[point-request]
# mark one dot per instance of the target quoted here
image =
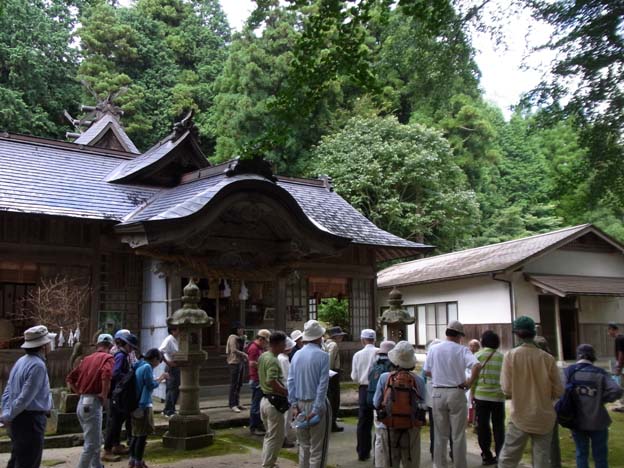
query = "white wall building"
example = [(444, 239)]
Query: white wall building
[(571, 281)]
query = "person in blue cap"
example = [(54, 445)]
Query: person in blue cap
[(125, 344)]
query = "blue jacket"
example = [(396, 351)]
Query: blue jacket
[(145, 383), (593, 388)]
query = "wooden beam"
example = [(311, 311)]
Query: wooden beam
[(558, 330)]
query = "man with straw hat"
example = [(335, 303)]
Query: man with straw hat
[(401, 446), (308, 379), (26, 400)]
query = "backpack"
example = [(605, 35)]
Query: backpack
[(124, 398), (566, 405), (400, 405), (380, 367)]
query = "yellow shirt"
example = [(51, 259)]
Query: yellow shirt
[(334, 354), (531, 378)]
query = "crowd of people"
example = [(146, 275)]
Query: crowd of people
[(295, 383)]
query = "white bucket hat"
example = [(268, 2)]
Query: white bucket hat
[(36, 337), (403, 355), (312, 330), (290, 344), (296, 335)]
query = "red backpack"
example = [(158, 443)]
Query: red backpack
[(400, 405)]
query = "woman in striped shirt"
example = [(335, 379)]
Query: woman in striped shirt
[(489, 400)]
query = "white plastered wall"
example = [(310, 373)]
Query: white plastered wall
[(570, 262), (479, 300)]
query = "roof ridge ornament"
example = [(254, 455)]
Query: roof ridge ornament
[(185, 124), (256, 165)]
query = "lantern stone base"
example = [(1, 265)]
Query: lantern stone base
[(188, 432)]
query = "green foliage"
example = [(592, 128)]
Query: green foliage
[(586, 82), (250, 118), (37, 65), (334, 312), (402, 177), (168, 54)]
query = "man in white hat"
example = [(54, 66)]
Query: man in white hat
[(91, 380), (401, 446), (360, 367), (26, 400), (296, 336), (446, 364), (308, 379)]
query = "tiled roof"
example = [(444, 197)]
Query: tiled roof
[(155, 156), (42, 177), (63, 179), (100, 126), (579, 285), (473, 262), (324, 208)]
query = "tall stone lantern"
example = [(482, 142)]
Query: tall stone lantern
[(190, 428), (396, 318)]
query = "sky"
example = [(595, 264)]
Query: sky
[(503, 78)]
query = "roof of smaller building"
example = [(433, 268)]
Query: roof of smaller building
[(98, 129), (494, 258), (578, 285)]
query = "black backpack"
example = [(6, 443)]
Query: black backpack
[(124, 398), (380, 367)]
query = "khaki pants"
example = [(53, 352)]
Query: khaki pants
[(515, 441), (273, 422), (291, 434), (401, 448), (313, 440), (378, 444), (449, 413)]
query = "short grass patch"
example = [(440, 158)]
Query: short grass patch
[(568, 449), (51, 462), (223, 445)]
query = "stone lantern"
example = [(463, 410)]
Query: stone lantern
[(396, 318), (189, 429)]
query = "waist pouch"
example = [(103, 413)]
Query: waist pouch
[(279, 401)]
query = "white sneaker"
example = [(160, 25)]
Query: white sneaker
[(235, 409)]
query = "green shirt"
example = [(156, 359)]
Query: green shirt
[(487, 386), (268, 370)]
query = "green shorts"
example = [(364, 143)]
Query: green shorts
[(143, 422)]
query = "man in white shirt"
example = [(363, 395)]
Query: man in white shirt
[(362, 361), (169, 348), (446, 364)]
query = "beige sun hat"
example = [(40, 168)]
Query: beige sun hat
[(36, 337), (456, 326), (312, 330), (402, 355), (264, 333)]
